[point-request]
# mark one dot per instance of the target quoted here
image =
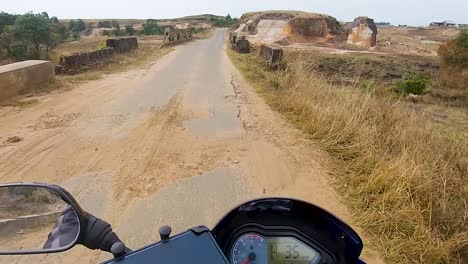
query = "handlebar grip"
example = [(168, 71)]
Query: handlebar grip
[(99, 235)]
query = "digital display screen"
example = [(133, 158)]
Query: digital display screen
[(289, 250)]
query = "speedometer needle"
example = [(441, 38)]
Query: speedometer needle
[(246, 261), (251, 257)]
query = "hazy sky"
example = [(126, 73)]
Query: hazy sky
[(412, 12)]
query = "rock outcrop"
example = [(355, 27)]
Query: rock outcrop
[(363, 32), (291, 26), (319, 26)]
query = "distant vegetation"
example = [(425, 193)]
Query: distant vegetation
[(151, 27), (454, 53), (104, 24), (382, 23), (33, 36), (454, 62), (129, 30), (30, 36), (227, 21)]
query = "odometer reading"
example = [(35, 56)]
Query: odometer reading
[(288, 250), (251, 248)]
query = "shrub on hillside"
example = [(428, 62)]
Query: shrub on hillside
[(129, 30), (151, 27), (454, 62), (106, 33), (104, 24), (414, 83), (196, 30), (76, 26), (455, 52)]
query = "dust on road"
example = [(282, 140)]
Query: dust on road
[(179, 143)]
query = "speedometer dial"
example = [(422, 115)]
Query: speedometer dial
[(250, 249)]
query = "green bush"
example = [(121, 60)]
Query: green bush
[(196, 30), (223, 21), (102, 45), (455, 52), (31, 36), (104, 24), (76, 36), (76, 25), (19, 50), (129, 30), (414, 83), (151, 27)]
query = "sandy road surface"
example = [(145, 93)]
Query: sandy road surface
[(178, 143)]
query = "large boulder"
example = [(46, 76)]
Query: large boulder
[(363, 32), (271, 55), (243, 46)]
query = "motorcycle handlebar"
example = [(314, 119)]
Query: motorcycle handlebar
[(99, 235)]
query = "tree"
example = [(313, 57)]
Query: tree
[(58, 33), (6, 20), (79, 26), (104, 24), (226, 21), (105, 33), (115, 24), (129, 30), (71, 25), (151, 27), (44, 14), (54, 20), (32, 30), (7, 38), (27, 36), (116, 28), (75, 36), (76, 25)]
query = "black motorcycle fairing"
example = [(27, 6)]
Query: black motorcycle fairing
[(312, 222)]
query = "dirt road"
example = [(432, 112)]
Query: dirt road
[(178, 143)]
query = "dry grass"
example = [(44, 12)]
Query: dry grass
[(407, 183), (82, 45)]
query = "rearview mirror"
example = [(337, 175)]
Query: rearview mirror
[(36, 218)]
